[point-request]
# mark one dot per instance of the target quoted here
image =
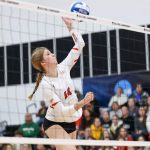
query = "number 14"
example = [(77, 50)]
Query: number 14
[(67, 93)]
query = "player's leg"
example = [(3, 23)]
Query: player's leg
[(73, 135), (57, 132)]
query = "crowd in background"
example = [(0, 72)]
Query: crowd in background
[(125, 118)]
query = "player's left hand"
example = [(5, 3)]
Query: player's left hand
[(68, 23)]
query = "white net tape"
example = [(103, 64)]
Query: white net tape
[(12, 140), (80, 17)]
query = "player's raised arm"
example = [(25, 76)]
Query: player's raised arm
[(75, 52)]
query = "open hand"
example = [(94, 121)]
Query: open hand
[(68, 23), (89, 97)]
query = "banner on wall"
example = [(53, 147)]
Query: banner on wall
[(105, 87)]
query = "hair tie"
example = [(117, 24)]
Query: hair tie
[(41, 72)]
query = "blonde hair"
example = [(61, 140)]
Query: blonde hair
[(37, 57)]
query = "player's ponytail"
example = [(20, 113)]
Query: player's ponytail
[(38, 80), (37, 57)]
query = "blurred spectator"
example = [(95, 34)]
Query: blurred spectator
[(29, 128), (87, 119), (131, 148), (52, 147), (140, 123), (42, 133), (106, 135), (21, 146), (96, 106), (26, 147), (115, 126), (96, 129), (18, 134), (90, 107), (86, 122), (120, 98), (87, 133), (148, 126), (8, 147), (79, 95), (41, 147), (123, 134), (148, 105), (87, 136), (120, 147), (105, 119), (133, 109), (139, 95), (141, 138), (128, 121), (41, 113), (1, 146), (115, 110)]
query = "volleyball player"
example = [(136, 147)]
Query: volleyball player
[(58, 89)]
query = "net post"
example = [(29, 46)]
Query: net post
[(29, 64), (118, 52), (21, 63), (147, 51), (108, 52), (90, 54), (81, 66), (5, 66)]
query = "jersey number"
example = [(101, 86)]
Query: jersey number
[(67, 93)]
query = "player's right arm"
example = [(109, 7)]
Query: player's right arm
[(58, 107)]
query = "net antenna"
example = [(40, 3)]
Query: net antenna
[(76, 16)]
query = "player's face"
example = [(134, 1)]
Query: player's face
[(49, 58)]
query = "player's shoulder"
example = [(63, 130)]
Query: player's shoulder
[(62, 68), (46, 82)]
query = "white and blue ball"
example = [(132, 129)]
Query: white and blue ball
[(80, 7)]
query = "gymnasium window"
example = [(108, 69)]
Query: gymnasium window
[(13, 64), (64, 45), (99, 52), (132, 51), (113, 50), (1, 66), (86, 56), (25, 64)]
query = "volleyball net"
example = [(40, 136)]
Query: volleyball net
[(99, 143), (112, 47), (80, 144)]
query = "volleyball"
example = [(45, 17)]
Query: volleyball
[(80, 7)]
